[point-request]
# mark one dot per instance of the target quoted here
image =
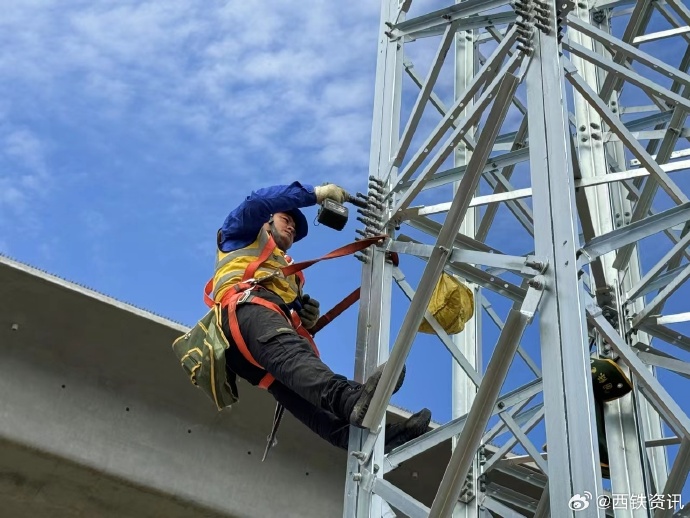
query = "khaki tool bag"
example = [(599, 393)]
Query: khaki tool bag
[(202, 355), (451, 304)]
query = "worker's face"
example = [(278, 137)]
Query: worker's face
[(284, 230)]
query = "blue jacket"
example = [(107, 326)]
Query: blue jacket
[(243, 224)]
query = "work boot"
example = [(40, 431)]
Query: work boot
[(398, 434), (356, 399)]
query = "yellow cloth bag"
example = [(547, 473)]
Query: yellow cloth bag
[(452, 304)]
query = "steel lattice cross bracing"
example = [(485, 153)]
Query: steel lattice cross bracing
[(538, 151)]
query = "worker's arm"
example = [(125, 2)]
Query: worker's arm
[(243, 224)]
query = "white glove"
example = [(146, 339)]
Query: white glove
[(309, 313), (332, 192)]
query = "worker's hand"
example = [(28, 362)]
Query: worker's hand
[(309, 312), (332, 192)]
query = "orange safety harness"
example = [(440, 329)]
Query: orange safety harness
[(241, 293)]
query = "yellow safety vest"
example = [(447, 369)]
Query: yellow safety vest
[(230, 267)]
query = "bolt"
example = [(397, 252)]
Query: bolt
[(525, 50), (584, 138), (596, 136), (501, 405), (15, 327), (543, 28), (536, 265), (370, 213), (356, 477), (524, 41), (536, 284), (583, 128), (359, 455), (368, 221)]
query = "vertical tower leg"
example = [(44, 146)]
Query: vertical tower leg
[(374, 313), (468, 342), (568, 398)]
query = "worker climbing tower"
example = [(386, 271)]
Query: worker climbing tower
[(528, 149)]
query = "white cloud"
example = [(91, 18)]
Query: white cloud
[(207, 67), (207, 100)]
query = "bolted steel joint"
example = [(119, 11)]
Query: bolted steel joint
[(525, 50)]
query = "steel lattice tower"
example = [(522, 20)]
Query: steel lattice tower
[(520, 124)]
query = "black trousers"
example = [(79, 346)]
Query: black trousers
[(304, 385)]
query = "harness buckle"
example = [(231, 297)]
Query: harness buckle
[(246, 294)]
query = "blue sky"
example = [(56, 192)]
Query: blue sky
[(129, 129)]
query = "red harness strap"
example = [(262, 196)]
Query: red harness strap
[(239, 294), (265, 253), (335, 311), (231, 301)]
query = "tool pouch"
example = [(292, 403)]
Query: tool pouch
[(201, 352), (451, 304)]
